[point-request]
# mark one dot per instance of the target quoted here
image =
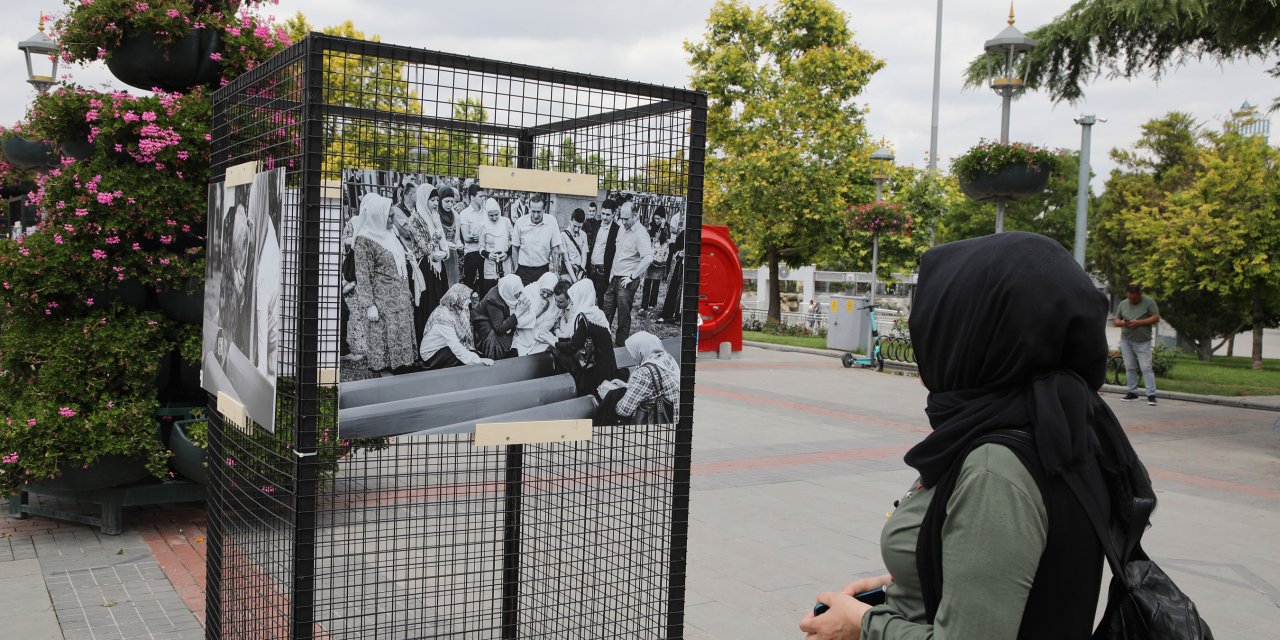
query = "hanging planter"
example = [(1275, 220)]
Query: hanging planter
[(29, 154), (142, 61), (879, 217), (81, 150), (992, 170), (13, 191)]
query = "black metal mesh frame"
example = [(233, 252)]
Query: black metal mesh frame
[(419, 537)]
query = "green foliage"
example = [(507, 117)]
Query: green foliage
[(74, 389), (989, 156), (58, 115), (786, 141), (1195, 217), (888, 218), (1123, 38)]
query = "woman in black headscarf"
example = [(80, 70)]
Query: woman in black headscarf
[(1009, 335)]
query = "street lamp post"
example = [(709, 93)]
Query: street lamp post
[(1082, 187), (881, 164), (45, 53), (1006, 80)]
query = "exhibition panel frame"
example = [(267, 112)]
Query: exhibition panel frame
[(418, 525)]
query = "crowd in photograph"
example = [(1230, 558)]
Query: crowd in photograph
[(440, 272)]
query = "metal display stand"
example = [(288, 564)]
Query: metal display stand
[(427, 535)]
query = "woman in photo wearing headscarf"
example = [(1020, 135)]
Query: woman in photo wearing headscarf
[(651, 389), (448, 340), (990, 541), (539, 317), (673, 301), (355, 325), (429, 253), (587, 352), (382, 287), (494, 320), (452, 238), (660, 236)]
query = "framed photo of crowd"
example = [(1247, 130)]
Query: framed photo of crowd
[(463, 304)]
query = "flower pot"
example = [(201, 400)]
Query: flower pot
[(188, 459), (184, 302), (81, 150), (29, 154), (107, 471), (1013, 182), (142, 62)]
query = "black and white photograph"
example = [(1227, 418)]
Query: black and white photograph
[(242, 294), (463, 304)]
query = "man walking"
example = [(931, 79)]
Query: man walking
[(1136, 315), (536, 245), (631, 261), (603, 249)]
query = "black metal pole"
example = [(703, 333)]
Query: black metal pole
[(306, 406), (688, 323)]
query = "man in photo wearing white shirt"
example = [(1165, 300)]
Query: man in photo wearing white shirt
[(536, 245), (630, 262), (472, 221)]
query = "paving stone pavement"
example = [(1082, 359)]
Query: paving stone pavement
[(796, 461)]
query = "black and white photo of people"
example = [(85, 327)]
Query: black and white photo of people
[(242, 294), (441, 274)]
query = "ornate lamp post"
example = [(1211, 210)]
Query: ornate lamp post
[(1011, 47), (881, 164), (45, 53)]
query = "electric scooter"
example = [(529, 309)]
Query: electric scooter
[(874, 359)]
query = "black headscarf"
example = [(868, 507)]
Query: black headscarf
[(1009, 332)]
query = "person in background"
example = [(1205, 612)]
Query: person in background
[(1136, 315), (813, 314), (382, 287), (584, 348), (574, 242), (448, 340), (660, 236), (452, 237), (655, 379), (536, 242), (429, 251), (471, 222), (634, 253), (591, 225), (496, 235), (603, 251), (494, 320), (674, 300)]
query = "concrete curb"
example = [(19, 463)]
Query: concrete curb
[(1225, 401)]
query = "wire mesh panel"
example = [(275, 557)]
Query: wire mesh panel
[(405, 531)]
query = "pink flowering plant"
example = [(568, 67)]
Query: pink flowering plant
[(990, 157), (58, 115), (75, 389), (879, 217)]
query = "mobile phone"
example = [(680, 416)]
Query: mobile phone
[(873, 598)]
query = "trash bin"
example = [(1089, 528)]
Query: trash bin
[(847, 324)]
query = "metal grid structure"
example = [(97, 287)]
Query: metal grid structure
[(428, 536)]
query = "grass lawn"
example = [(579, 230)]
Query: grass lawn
[(812, 342), (1222, 377)]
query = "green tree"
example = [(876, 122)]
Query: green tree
[(1201, 226), (457, 152), (1123, 38), (786, 142), (364, 82)]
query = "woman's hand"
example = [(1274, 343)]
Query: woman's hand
[(372, 313), (488, 362), (867, 584), (843, 621)]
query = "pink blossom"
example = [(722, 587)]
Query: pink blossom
[(88, 301), (141, 6), (99, 254), (149, 116), (67, 412), (31, 422), (12, 458), (110, 405), (57, 239), (173, 13), (183, 155), (215, 57), (82, 212)]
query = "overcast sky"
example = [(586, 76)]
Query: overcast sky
[(642, 41)]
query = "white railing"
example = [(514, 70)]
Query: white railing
[(884, 318)]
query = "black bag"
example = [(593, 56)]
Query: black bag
[(586, 354), (657, 410), (1143, 603)]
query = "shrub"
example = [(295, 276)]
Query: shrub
[(990, 157)]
